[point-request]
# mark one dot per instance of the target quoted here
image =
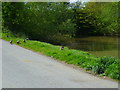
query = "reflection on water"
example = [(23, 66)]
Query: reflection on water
[(99, 46)]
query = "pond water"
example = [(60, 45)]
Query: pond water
[(97, 45)]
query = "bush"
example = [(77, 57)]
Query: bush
[(113, 71), (102, 64)]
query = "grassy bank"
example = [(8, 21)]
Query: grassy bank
[(106, 66)]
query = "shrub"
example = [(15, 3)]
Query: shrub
[(113, 71)]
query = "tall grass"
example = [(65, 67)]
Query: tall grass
[(107, 66)]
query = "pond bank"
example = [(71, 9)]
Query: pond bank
[(104, 66), (97, 45)]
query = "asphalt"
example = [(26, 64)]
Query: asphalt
[(22, 68), (0, 64)]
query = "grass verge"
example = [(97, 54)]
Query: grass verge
[(103, 66)]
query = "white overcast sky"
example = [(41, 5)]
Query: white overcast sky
[(78, 0)]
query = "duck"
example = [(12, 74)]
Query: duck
[(24, 41), (11, 41), (18, 41), (62, 48), (27, 39)]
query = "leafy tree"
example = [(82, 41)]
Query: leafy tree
[(106, 16), (12, 14), (0, 16), (40, 21)]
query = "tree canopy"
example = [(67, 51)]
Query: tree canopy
[(46, 21)]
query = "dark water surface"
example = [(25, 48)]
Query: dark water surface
[(97, 45)]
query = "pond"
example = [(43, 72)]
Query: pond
[(97, 45)]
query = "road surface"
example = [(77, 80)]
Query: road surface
[(0, 64), (22, 68)]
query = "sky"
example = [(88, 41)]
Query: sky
[(78, 0)]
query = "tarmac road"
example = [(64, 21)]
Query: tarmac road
[(22, 68), (0, 64)]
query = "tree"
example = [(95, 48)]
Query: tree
[(11, 14), (41, 21), (106, 16)]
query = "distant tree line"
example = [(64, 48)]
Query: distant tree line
[(53, 21)]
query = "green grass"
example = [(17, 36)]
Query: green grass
[(103, 66), (0, 35)]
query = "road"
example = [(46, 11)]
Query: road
[(0, 64), (22, 68)]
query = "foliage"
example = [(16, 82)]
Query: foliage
[(84, 22), (96, 18), (45, 20), (40, 21), (113, 71), (11, 14), (0, 17), (106, 16)]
